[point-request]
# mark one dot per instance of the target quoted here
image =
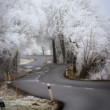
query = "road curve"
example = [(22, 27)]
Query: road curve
[(76, 95)]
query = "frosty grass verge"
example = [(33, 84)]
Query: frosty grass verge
[(22, 102)]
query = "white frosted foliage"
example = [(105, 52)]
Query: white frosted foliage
[(28, 26)]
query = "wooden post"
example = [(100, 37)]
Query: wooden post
[(66, 72), (5, 74), (45, 59), (9, 76), (15, 84), (50, 92), (65, 62)]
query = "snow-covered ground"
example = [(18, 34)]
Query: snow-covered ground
[(24, 102), (26, 61)]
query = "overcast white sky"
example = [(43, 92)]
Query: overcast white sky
[(104, 6)]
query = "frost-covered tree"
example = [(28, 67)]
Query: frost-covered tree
[(30, 26), (21, 25), (75, 19)]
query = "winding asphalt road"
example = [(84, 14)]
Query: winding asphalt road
[(76, 95)]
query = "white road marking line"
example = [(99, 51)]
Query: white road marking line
[(52, 84), (37, 80), (43, 83), (39, 76), (67, 86), (26, 81), (89, 88)]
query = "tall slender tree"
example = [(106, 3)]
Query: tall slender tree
[(54, 51)]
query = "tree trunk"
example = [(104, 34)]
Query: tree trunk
[(54, 51), (62, 47), (74, 63)]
